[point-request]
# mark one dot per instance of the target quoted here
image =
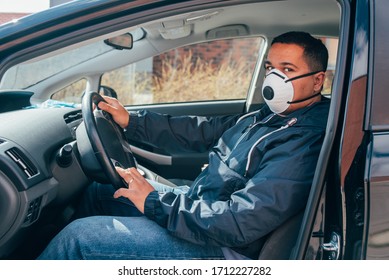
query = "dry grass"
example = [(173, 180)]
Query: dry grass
[(200, 81), (178, 81), (182, 80)]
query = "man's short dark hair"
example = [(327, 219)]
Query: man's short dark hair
[(315, 51)]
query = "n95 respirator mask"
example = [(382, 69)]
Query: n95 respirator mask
[(278, 91)]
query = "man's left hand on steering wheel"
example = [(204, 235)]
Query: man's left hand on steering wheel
[(116, 109), (104, 131)]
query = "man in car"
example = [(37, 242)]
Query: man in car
[(259, 175)]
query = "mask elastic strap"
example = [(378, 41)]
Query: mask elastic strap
[(302, 76), (277, 74), (304, 99)]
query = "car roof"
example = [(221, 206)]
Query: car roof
[(272, 16)]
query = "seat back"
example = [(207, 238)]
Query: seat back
[(281, 241)]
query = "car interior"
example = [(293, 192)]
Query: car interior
[(46, 155)]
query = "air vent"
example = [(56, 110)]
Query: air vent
[(23, 162), (74, 116)]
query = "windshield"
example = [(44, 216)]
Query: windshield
[(23, 76)]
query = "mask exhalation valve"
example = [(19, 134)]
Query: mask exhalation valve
[(268, 93)]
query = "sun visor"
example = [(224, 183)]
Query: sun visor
[(227, 31)]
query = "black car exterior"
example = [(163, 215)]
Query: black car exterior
[(352, 218)]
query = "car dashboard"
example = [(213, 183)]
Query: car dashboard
[(34, 176)]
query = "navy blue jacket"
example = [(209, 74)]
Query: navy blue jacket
[(260, 171)]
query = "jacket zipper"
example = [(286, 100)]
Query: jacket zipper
[(247, 129), (290, 123)]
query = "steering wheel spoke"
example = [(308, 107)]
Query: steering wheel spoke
[(107, 140)]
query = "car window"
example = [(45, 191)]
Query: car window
[(216, 70), (72, 93), (25, 75), (332, 46)]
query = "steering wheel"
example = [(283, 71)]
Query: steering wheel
[(101, 136)]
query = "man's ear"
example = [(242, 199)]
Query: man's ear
[(319, 81)]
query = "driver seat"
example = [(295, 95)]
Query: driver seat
[(281, 242)]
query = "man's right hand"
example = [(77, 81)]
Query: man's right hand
[(116, 109)]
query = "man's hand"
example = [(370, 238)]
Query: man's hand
[(138, 187), (116, 109)]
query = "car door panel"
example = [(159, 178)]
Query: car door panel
[(181, 165)]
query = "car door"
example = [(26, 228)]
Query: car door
[(334, 220), (376, 193), (348, 211)]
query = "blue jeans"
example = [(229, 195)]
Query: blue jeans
[(121, 233)]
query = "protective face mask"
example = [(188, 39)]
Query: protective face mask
[(278, 91)]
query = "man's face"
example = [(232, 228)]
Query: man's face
[(289, 59)]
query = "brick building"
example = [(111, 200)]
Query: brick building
[(9, 16), (214, 53), (6, 17)]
